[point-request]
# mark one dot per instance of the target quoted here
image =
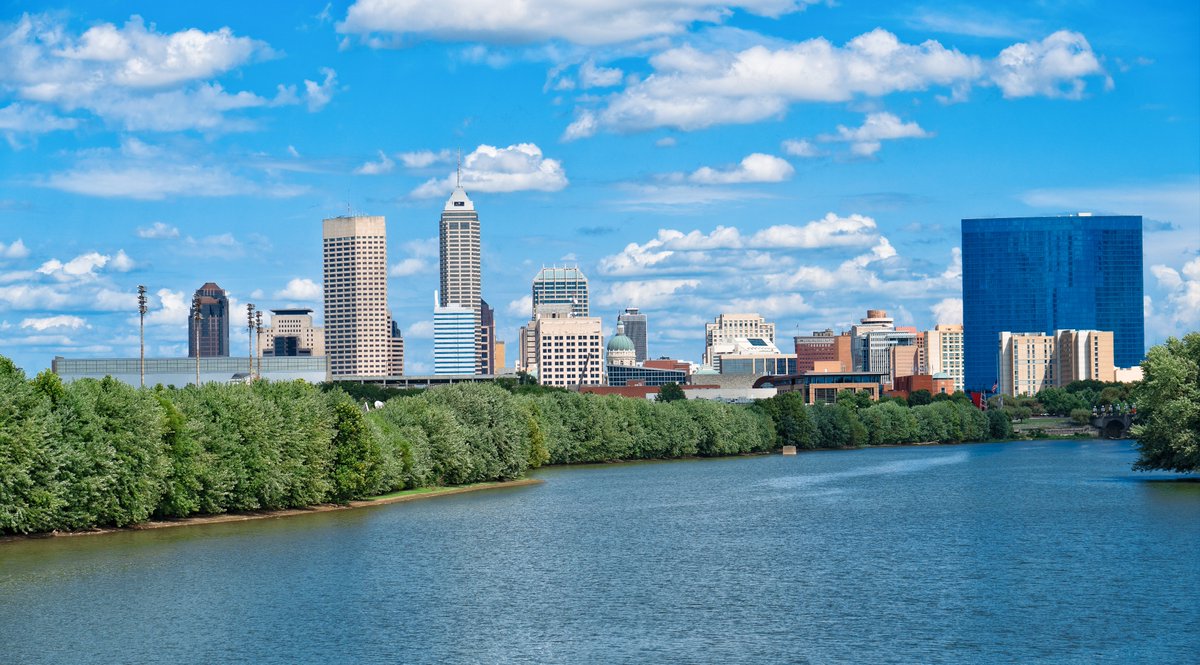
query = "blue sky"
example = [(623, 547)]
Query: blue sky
[(806, 160)]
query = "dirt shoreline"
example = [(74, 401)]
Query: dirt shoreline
[(272, 514)]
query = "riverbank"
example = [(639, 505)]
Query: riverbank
[(383, 500)]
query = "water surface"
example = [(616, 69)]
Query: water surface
[(1025, 552)]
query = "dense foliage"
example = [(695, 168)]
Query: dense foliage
[(1168, 401), (102, 453)]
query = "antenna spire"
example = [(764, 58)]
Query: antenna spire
[(458, 171)]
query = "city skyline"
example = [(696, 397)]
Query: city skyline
[(808, 204)]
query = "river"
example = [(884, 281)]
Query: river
[(1025, 552)]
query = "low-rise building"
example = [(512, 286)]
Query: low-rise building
[(182, 371)]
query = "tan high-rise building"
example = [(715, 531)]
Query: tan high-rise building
[(1085, 355), (291, 333), (1027, 363), (569, 351), (729, 327), (358, 337), (944, 352)]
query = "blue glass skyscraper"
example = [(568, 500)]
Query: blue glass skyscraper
[(1041, 274)]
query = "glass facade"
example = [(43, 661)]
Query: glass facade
[(182, 371), (1041, 274), (620, 375)]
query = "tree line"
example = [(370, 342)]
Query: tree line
[(100, 453)]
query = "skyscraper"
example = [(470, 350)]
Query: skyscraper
[(557, 286), (1041, 274), (944, 351), (635, 330), (357, 331), (459, 252), (291, 333), (486, 349), (454, 333), (214, 324), (727, 328)]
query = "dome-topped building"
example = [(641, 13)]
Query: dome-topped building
[(621, 351)]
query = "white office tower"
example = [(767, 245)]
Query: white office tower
[(454, 332), (459, 259), (357, 331)]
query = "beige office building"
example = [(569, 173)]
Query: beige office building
[(291, 333), (1030, 362), (459, 262), (358, 337), (1085, 355), (569, 351), (944, 352), (730, 327), (1027, 363)]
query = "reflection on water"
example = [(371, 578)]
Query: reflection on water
[(1041, 552)]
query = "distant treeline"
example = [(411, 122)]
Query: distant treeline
[(101, 453)]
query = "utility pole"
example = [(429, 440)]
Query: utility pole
[(142, 334), (250, 339), (196, 316), (258, 327)]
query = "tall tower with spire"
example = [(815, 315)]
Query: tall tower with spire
[(459, 254)]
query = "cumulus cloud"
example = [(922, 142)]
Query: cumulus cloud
[(302, 289), (1053, 67), (1182, 302), (60, 322), (519, 167), (692, 88), (171, 309), (948, 310), (83, 266), (877, 127), (158, 230), (17, 118), (755, 167), (384, 165), (645, 293), (14, 250), (590, 22), (521, 307), (420, 330)]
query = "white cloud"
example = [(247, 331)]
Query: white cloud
[(158, 230), (801, 148), (132, 75), (521, 307), (948, 310), (121, 262), (143, 171), (317, 95), (693, 88), (877, 127), (645, 293), (592, 76), (172, 309), (60, 322), (1053, 67), (302, 289), (83, 266), (420, 330), (384, 165), (15, 250), (591, 22), (831, 230), (518, 167), (424, 158), (408, 267), (755, 167), (1179, 311), (666, 142), (26, 119)]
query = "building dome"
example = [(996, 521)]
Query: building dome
[(620, 343)]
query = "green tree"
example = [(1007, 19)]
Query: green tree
[(30, 492), (356, 453), (1081, 416), (1168, 402), (919, 397), (999, 426), (670, 392)]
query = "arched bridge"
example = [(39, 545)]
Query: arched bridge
[(1113, 426)]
